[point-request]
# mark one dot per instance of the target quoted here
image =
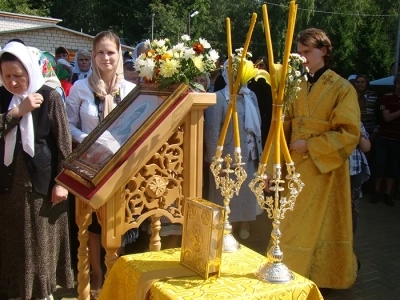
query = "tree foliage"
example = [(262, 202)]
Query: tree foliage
[(364, 41)]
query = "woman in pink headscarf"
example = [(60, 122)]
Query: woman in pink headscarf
[(89, 102)]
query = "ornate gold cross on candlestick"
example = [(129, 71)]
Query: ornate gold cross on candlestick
[(276, 205)]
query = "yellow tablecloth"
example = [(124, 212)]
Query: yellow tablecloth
[(237, 279)]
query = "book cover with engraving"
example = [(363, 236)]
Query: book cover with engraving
[(202, 237)]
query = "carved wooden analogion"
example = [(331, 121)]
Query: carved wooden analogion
[(152, 182)]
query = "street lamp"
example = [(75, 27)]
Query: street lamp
[(191, 15)]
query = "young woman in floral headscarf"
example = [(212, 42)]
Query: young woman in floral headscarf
[(34, 139)]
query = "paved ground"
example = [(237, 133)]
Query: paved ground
[(377, 245)]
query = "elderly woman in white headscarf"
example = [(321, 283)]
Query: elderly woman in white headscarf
[(82, 65), (139, 49), (34, 139), (244, 207)]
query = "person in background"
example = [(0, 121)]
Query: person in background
[(393, 69), (63, 75), (130, 74), (82, 66), (34, 140), (367, 101), (51, 58), (48, 72), (89, 102), (387, 146), (203, 80), (62, 52), (244, 208), (127, 56), (322, 128), (217, 81), (352, 79), (359, 173), (139, 49), (264, 97)]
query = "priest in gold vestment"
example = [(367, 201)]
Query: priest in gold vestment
[(322, 129)]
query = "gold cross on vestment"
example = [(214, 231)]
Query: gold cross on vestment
[(301, 123)]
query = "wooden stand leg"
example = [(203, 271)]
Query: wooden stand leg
[(110, 258), (111, 216), (155, 239), (83, 216)]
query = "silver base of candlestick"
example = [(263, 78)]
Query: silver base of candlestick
[(229, 243), (274, 273)]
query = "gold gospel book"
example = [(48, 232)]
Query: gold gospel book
[(202, 237)]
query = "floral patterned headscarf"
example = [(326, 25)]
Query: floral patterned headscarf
[(46, 68)]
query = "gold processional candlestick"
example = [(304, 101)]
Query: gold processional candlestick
[(276, 205), (224, 179)]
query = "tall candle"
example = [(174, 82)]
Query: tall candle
[(277, 142), (245, 48), (288, 45), (229, 45), (228, 116), (224, 128), (285, 149), (268, 143), (270, 51)]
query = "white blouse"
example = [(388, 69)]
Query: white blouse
[(82, 111)]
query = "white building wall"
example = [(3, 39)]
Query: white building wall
[(48, 39), (12, 23)]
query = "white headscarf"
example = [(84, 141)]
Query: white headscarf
[(136, 50), (76, 70), (252, 119), (36, 81)]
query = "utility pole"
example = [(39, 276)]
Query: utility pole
[(152, 26), (396, 66), (188, 24)]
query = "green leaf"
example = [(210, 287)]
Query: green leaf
[(166, 83), (197, 86)]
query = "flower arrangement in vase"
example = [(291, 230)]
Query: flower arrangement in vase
[(167, 64)]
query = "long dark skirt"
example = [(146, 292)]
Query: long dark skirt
[(34, 241)]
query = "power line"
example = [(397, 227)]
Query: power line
[(331, 12)]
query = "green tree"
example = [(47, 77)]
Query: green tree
[(363, 41), (23, 7)]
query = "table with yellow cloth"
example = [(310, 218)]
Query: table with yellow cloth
[(237, 279)]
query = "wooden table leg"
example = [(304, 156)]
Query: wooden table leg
[(83, 216), (111, 217), (155, 239)]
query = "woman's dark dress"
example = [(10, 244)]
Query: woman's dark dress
[(34, 235)]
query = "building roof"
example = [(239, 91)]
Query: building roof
[(57, 27), (29, 17)]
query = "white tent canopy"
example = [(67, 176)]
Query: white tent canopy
[(383, 81)]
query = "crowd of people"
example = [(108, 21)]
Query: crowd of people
[(335, 130)]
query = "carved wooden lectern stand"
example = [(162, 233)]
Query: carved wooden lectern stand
[(153, 171)]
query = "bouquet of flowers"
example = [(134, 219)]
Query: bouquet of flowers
[(296, 71), (167, 64)]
